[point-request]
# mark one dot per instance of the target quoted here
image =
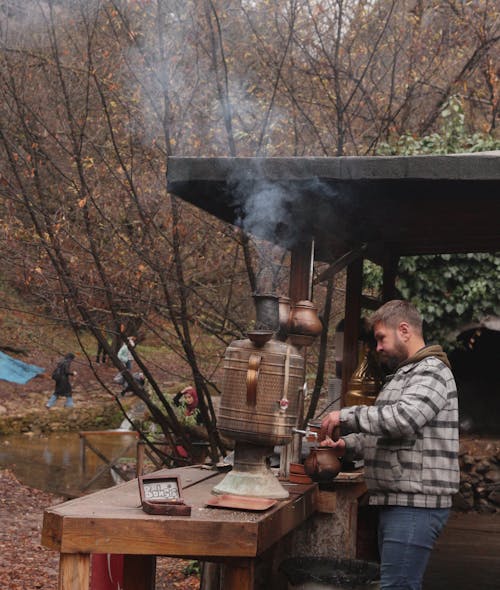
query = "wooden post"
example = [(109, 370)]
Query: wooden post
[(139, 468), (83, 454), (300, 288), (296, 444), (74, 571), (354, 288), (238, 576), (139, 572), (210, 575), (300, 272), (390, 268)]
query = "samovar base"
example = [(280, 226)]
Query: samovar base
[(251, 474)]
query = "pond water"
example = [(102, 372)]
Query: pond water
[(53, 462)]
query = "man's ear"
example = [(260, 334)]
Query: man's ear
[(404, 331)]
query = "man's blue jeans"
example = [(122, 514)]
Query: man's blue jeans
[(406, 536)]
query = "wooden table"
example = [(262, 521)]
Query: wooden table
[(112, 521)]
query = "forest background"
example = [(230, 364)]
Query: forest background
[(97, 94)]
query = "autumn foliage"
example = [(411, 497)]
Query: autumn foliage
[(95, 96)]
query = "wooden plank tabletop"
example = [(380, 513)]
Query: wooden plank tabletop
[(112, 521)]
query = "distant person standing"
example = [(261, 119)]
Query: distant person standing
[(124, 353), (61, 375), (187, 401), (101, 354)]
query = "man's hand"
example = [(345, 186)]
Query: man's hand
[(338, 446), (330, 426)]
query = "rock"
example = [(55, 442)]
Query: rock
[(485, 507), (464, 502), (465, 478), (492, 476), (468, 461), (483, 466), (3, 410), (475, 478), (495, 497)]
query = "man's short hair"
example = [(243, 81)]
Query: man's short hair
[(394, 312)]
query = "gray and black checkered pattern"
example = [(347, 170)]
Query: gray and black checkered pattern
[(409, 438)]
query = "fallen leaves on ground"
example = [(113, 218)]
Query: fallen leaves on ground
[(26, 565)]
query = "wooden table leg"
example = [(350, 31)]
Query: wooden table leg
[(238, 575), (139, 572), (74, 571)]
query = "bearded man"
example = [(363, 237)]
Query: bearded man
[(409, 442)]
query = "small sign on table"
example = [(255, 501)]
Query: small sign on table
[(162, 494)]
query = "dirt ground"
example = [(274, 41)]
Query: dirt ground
[(24, 563)]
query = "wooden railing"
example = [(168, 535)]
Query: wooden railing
[(110, 464)]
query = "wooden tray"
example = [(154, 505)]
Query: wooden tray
[(299, 478), (297, 468), (240, 502)]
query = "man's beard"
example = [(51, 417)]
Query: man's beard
[(393, 360)]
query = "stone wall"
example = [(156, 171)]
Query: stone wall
[(82, 417), (479, 476)]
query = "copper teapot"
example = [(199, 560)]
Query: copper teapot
[(322, 464)]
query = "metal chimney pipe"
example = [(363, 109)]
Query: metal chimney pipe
[(267, 311)]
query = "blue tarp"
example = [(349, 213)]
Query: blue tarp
[(16, 371)]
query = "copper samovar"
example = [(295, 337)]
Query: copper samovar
[(262, 384)]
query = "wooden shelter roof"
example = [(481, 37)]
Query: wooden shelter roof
[(405, 205)]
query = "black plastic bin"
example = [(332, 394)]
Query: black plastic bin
[(317, 573)]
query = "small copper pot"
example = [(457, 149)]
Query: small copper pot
[(322, 464), (304, 320)]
